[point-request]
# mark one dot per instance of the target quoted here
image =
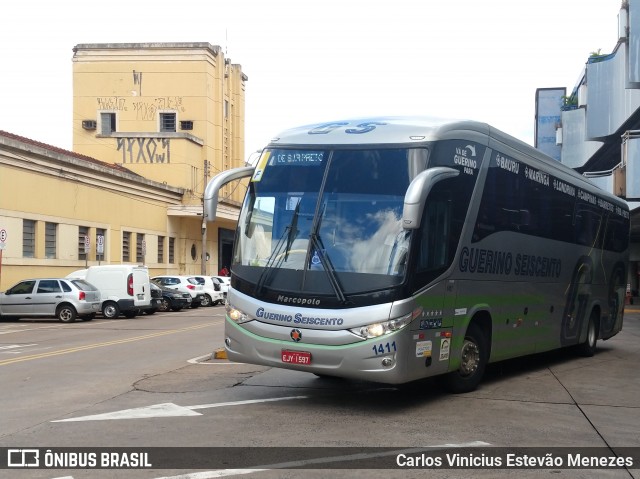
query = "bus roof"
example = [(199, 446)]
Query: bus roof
[(405, 131), (398, 130)]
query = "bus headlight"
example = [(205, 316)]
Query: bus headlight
[(380, 329), (236, 315)]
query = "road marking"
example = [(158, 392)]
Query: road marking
[(55, 325), (169, 410), (322, 460), (86, 347), (14, 346), (11, 331), (224, 362)]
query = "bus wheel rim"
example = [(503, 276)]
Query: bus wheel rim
[(470, 358)]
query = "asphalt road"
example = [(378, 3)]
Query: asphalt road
[(150, 382)]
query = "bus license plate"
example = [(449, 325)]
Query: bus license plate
[(296, 357)]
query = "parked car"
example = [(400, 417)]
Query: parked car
[(224, 282), (124, 288), (156, 299), (62, 298), (170, 299), (183, 284), (212, 290)]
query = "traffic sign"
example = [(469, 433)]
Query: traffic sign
[(3, 236), (100, 241)]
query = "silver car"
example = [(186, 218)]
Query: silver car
[(62, 298)]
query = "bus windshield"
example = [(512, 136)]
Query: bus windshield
[(338, 212)]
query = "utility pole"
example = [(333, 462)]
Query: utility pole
[(203, 268)]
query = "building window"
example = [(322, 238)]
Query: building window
[(172, 242), (226, 108), (50, 238), (101, 242), (83, 232), (126, 242), (140, 248), (160, 249), (28, 238), (167, 122), (107, 123)]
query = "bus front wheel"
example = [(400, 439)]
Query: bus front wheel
[(473, 361)]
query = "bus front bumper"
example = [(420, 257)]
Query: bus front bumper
[(389, 359)]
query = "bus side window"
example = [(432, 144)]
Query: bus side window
[(587, 223), (436, 245)]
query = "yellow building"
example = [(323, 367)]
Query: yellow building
[(152, 123)]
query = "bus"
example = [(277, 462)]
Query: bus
[(394, 249)]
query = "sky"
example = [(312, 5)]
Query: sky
[(310, 62)]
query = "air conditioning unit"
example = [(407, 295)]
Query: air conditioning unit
[(89, 124), (186, 125)]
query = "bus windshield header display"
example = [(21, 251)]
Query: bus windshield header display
[(296, 157)]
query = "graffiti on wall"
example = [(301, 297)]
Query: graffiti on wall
[(112, 103), (145, 150), (145, 110)]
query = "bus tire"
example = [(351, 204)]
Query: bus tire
[(588, 348), (473, 361)]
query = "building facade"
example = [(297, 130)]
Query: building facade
[(596, 125), (61, 211), (152, 124)]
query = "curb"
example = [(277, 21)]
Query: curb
[(222, 353)]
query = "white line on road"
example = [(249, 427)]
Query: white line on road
[(14, 346), (168, 410), (199, 359)]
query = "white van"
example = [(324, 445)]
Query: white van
[(124, 288)]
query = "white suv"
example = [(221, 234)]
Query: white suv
[(184, 284), (212, 291)]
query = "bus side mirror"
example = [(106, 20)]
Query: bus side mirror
[(210, 199), (419, 189)]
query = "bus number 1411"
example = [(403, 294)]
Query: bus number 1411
[(384, 348)]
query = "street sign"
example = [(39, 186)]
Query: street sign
[(3, 239), (87, 244), (100, 241)]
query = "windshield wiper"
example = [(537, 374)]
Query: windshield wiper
[(290, 232), (293, 230), (318, 249)]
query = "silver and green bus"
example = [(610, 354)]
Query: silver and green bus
[(395, 249)]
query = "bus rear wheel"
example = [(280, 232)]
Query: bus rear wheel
[(588, 348), (473, 361)]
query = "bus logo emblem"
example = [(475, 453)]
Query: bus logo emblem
[(296, 335)]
